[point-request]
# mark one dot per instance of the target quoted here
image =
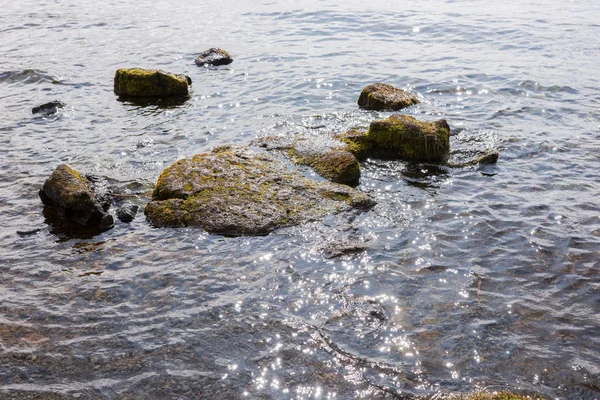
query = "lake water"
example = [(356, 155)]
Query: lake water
[(480, 278)]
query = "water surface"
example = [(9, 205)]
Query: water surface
[(474, 278)]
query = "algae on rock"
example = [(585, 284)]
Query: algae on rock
[(74, 198), (382, 96), (235, 192), (138, 82)]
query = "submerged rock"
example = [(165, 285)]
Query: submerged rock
[(235, 192), (381, 96), (138, 82), (48, 108), (127, 212), (213, 56), (74, 198)]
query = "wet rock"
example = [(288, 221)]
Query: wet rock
[(138, 82), (237, 192), (127, 212), (462, 159), (336, 248), (381, 96), (73, 197), (48, 108), (406, 138), (328, 157), (213, 56)]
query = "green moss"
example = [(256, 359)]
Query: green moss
[(337, 166), (405, 137), (357, 142), (140, 82)]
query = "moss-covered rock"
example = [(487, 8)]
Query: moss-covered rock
[(213, 56), (357, 142), (406, 138), (74, 198), (138, 82), (235, 192), (381, 96)]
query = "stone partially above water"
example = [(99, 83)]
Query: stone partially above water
[(381, 96), (236, 192), (74, 197), (406, 138), (48, 109), (138, 82), (213, 56)]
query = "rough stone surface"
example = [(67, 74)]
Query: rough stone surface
[(48, 108), (127, 212), (138, 82), (73, 196), (237, 192), (213, 56), (381, 96), (406, 138), (328, 157)]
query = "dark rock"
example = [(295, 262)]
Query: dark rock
[(74, 199), (381, 96), (127, 212), (236, 192), (139, 82), (213, 56), (48, 108)]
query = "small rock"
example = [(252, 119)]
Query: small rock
[(335, 248), (74, 199), (213, 56), (338, 166), (490, 157), (127, 212), (381, 96), (48, 108), (138, 82)]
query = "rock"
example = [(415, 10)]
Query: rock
[(74, 198), (48, 108), (327, 156), (213, 56), (406, 138), (127, 212), (472, 157), (381, 96), (237, 192), (139, 82), (335, 248)]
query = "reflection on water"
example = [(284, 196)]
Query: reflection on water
[(460, 279)]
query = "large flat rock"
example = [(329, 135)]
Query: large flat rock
[(238, 192)]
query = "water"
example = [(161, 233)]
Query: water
[(475, 278)]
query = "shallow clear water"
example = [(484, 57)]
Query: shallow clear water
[(476, 278)]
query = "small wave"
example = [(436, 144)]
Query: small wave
[(28, 76)]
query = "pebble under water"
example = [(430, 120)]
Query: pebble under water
[(460, 279)]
